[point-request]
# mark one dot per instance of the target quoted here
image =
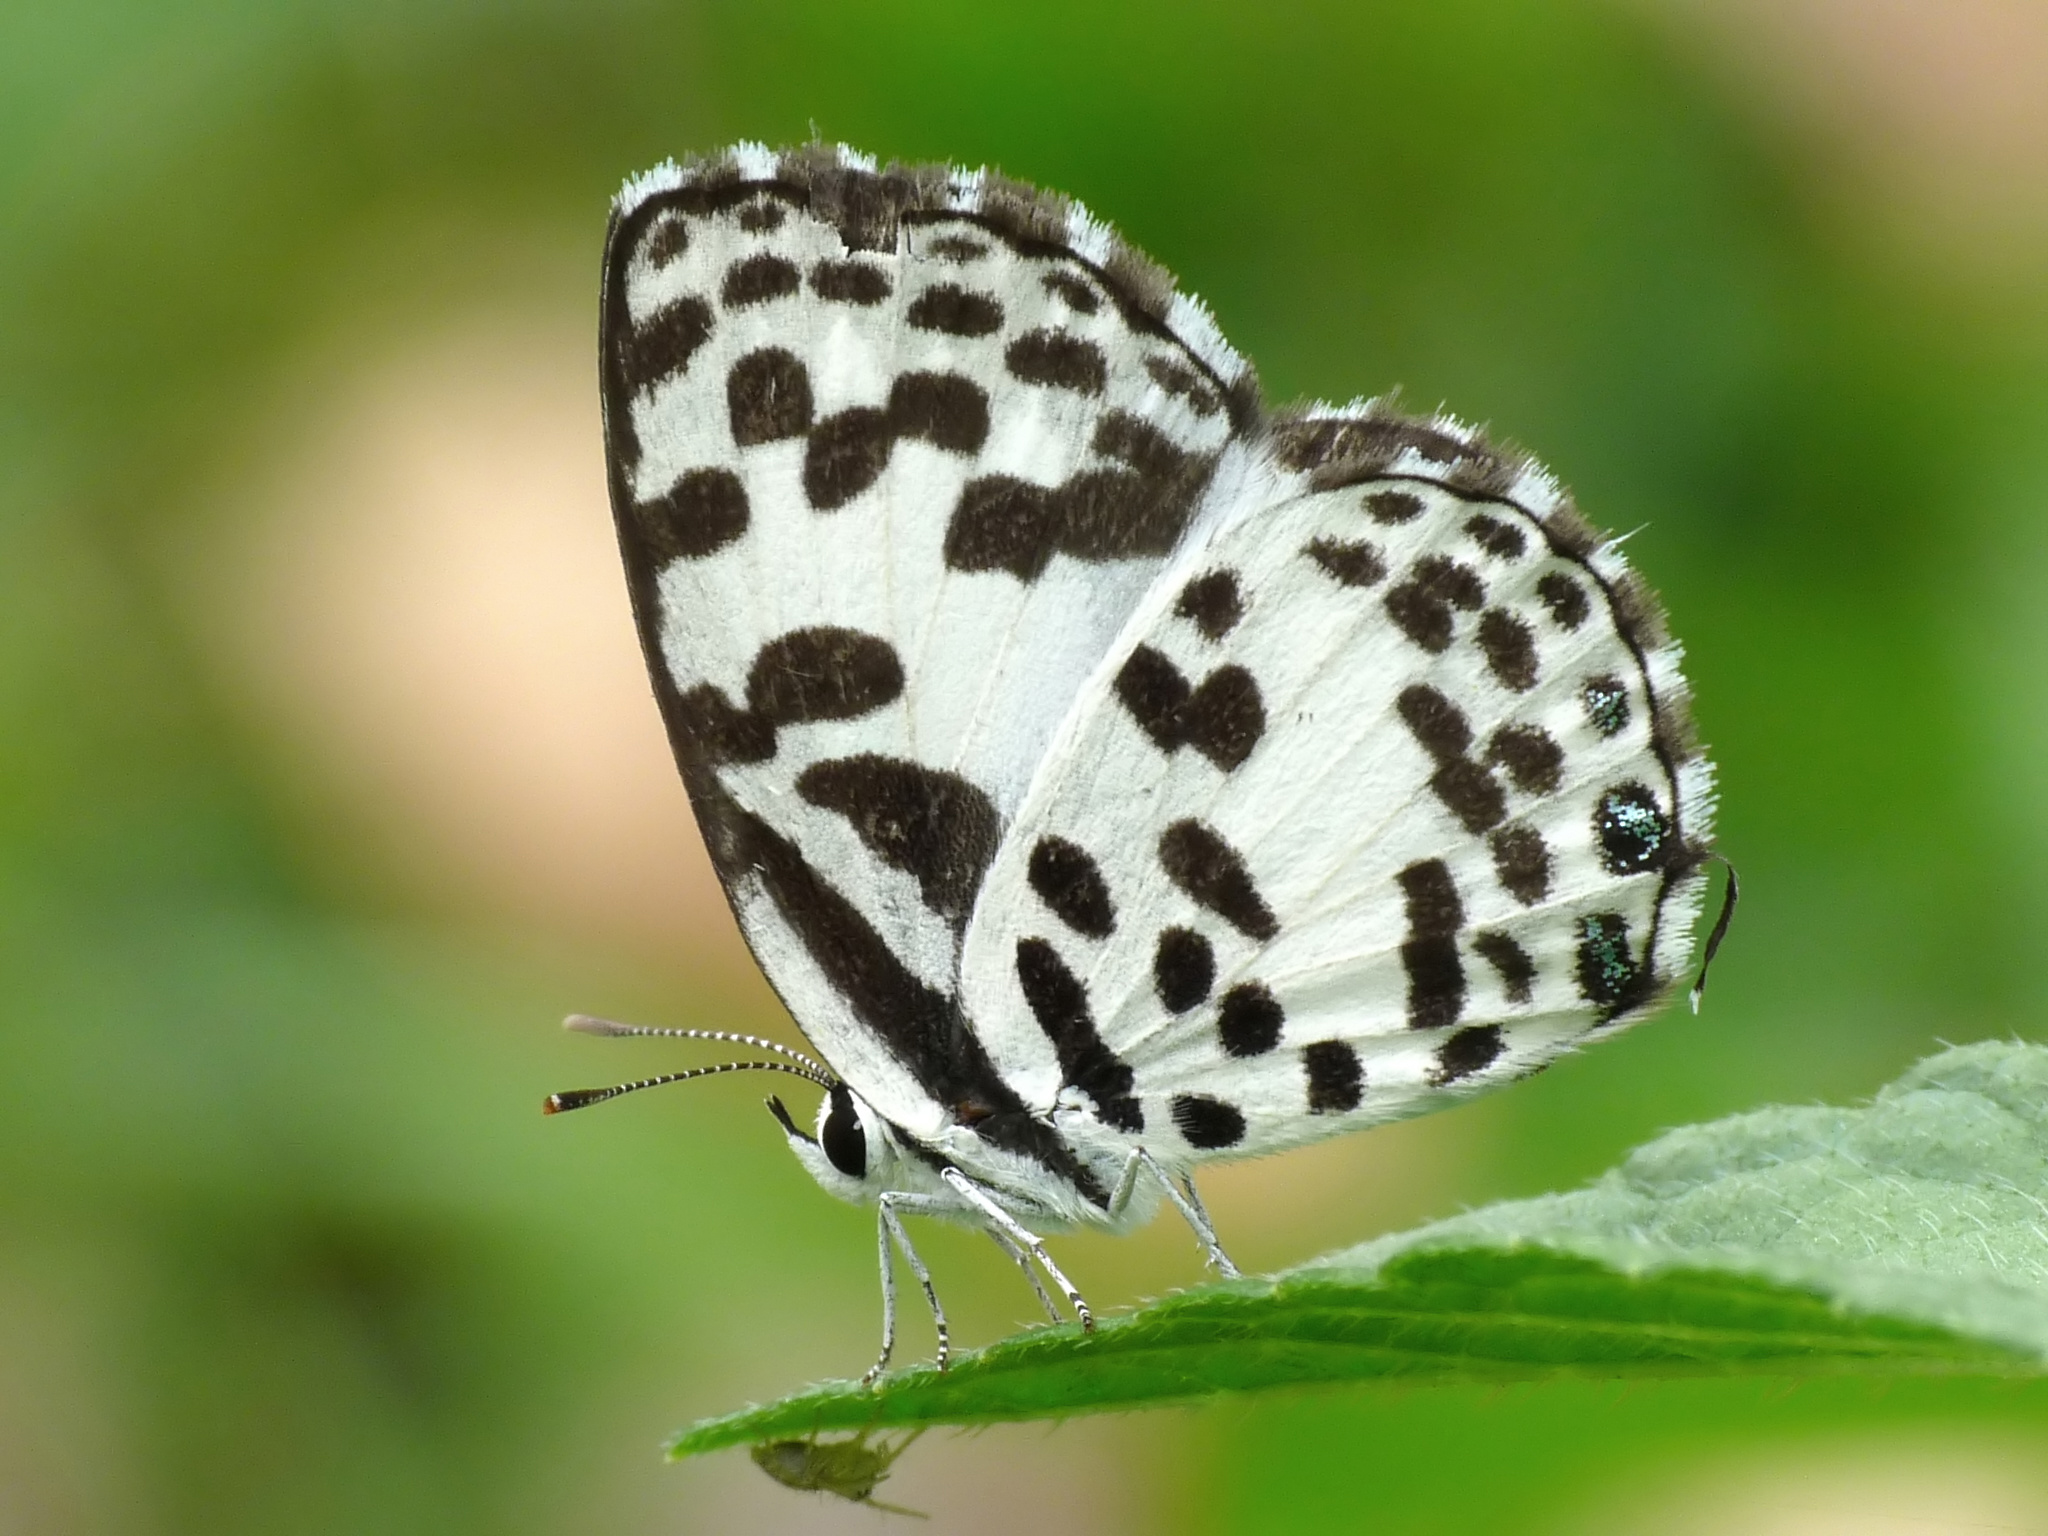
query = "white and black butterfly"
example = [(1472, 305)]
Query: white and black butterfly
[(1110, 775)]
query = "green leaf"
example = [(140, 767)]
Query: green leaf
[(1907, 1236)]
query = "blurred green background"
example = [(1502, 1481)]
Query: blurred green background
[(329, 781)]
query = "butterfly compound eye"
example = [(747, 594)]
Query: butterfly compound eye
[(845, 1142)]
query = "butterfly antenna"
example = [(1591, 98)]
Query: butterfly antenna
[(583, 1098), (584, 1024), (1730, 893)]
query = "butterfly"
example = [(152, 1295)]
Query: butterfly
[(1110, 774)]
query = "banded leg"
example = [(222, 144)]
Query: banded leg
[(1197, 1215), (1189, 1205), (888, 1225), (1023, 1262), (1026, 1239)]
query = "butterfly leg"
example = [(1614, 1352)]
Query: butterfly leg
[(889, 1225), (1023, 1261), (1029, 1241), (1189, 1204)]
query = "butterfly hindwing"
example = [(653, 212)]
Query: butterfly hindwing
[(894, 456), (1385, 794)]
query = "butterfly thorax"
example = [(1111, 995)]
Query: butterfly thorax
[(858, 1155)]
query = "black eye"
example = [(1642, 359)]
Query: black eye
[(846, 1145)]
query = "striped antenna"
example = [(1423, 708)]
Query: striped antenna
[(583, 1098), (585, 1024)]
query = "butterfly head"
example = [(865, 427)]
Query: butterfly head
[(850, 1153)]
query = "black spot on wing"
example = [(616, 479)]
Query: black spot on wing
[(1059, 1002), (701, 513), (1510, 962), (1565, 599), (1467, 789), (1183, 383), (1213, 875), (1436, 723), (1430, 897), (849, 282), (1072, 292), (947, 410), (1605, 700), (1248, 1020), (768, 397), (1392, 507), (1002, 523), (1142, 511), (1222, 719), (1609, 977), (759, 279), (670, 239), (1336, 1080), (1533, 761), (762, 216), (1501, 540), (662, 344), (1212, 603), (1349, 562), (1510, 649), (1421, 605), (955, 311), (1208, 1123), (1154, 693), (1470, 792), (826, 673), (1468, 1051), (1438, 726), (1121, 513), (1521, 862), (1436, 976), (1183, 969), (845, 455), (1632, 831), (1057, 360), (1421, 618), (935, 826), (1449, 581), (1069, 883)]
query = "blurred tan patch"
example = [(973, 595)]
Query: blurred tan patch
[(1884, 1485), (1933, 117), (418, 596), (64, 1469)]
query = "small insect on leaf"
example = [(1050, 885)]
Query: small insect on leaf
[(850, 1468)]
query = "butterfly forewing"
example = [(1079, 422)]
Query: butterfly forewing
[(893, 459), (1384, 795)]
